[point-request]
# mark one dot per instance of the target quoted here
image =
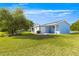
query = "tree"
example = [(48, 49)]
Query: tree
[(75, 26), (14, 21), (22, 21), (7, 20)]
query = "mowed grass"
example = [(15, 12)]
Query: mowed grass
[(28, 44)]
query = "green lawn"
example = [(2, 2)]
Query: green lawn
[(29, 44)]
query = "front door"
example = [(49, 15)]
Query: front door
[(51, 29)]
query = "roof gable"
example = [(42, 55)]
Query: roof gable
[(52, 23), (57, 22)]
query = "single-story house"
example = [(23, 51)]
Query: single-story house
[(57, 27)]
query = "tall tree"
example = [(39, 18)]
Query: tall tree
[(14, 21), (22, 21), (75, 26), (7, 20)]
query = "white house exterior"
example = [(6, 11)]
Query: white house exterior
[(58, 27)]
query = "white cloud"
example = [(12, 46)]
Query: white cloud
[(47, 11), (63, 14), (41, 16)]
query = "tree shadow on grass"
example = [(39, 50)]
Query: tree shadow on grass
[(34, 36), (56, 39)]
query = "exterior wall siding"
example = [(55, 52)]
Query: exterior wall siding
[(64, 28), (42, 29)]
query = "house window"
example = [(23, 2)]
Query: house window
[(32, 29)]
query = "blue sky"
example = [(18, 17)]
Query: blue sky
[(41, 13)]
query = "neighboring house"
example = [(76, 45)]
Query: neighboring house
[(58, 27)]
